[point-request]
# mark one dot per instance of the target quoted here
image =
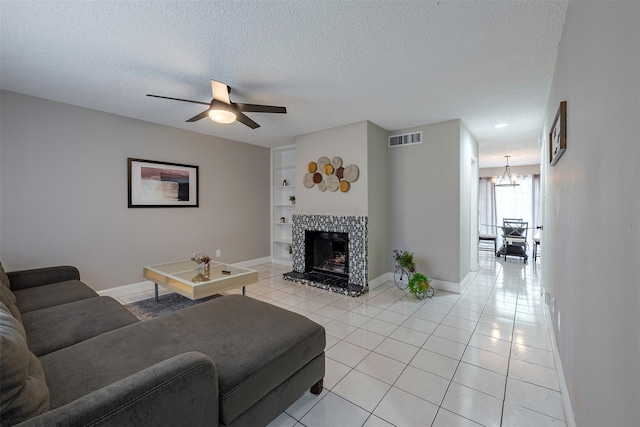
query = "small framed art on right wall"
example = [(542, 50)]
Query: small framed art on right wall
[(558, 134)]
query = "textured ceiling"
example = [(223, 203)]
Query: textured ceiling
[(399, 64)]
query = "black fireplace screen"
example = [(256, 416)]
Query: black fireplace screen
[(327, 251)]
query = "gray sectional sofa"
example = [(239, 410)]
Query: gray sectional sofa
[(72, 358)]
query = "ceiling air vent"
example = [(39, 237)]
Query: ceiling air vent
[(405, 139)]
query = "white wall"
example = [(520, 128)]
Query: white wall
[(591, 237), (468, 193), (64, 193), (425, 200), (348, 142)]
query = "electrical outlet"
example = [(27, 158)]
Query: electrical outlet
[(218, 253), (559, 326)]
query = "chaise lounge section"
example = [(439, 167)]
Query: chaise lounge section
[(82, 359)]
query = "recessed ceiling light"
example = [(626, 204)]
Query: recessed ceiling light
[(501, 125)]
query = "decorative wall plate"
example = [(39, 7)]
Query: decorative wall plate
[(340, 172), (351, 173), (322, 186), (328, 170), (322, 161), (312, 167), (317, 177), (308, 180), (332, 182), (344, 186), (336, 162)]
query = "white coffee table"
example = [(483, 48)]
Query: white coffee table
[(186, 279)]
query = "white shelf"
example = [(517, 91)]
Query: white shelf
[(283, 242), (283, 168)]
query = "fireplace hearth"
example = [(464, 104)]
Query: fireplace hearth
[(330, 252)]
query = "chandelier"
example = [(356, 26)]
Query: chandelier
[(507, 180)]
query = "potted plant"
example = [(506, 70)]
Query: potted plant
[(290, 250), (419, 286), (405, 260), (292, 199)]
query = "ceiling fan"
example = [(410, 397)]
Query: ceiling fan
[(222, 110)]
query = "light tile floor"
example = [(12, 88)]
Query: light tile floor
[(483, 357)]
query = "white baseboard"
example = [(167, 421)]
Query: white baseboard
[(134, 288), (454, 287), (384, 278), (253, 262), (564, 390)]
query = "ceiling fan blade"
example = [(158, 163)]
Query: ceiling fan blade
[(200, 116), (246, 120), (220, 91), (253, 108), (180, 99)]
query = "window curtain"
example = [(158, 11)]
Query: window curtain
[(487, 207), (535, 202), (522, 201)]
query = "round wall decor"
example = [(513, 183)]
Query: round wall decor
[(332, 182), (308, 180), (351, 173), (322, 162), (330, 174)]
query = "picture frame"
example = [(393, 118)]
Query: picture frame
[(155, 184), (558, 135)]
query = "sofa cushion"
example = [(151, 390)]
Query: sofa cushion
[(4, 280), (9, 299), (23, 391), (40, 297), (255, 346), (53, 328)]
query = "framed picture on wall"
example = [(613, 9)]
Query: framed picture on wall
[(155, 184), (558, 134)]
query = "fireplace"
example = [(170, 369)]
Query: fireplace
[(327, 252), (330, 252)]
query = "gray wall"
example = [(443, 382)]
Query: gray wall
[(348, 142), (64, 193), (591, 237), (378, 198), (425, 200)]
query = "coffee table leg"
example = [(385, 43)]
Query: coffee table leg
[(243, 291), (156, 285)]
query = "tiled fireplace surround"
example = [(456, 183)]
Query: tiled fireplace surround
[(355, 227)]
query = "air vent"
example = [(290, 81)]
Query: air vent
[(405, 139)]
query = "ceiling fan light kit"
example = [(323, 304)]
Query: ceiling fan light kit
[(222, 110)]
